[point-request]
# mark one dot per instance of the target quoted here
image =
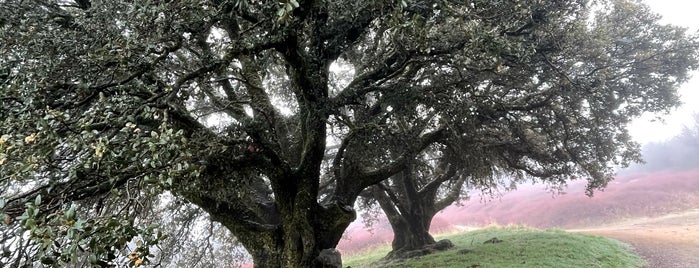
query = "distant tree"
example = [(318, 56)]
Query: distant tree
[(678, 153), (236, 107), (411, 198), (436, 179)]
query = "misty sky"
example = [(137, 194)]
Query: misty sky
[(677, 12)]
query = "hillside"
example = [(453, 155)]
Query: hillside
[(629, 196), (515, 247)]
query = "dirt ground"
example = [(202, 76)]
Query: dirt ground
[(670, 241)]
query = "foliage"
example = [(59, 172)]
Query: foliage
[(520, 247), (237, 107), (517, 128)]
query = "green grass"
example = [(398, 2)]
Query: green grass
[(521, 247)]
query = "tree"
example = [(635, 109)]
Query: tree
[(677, 153), (427, 185), (431, 182), (411, 198), (234, 107)]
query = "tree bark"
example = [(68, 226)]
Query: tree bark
[(410, 213), (410, 224), (411, 232), (291, 231), (412, 236), (297, 237), (307, 230), (299, 240)]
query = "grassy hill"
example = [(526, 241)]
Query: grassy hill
[(627, 197), (519, 247)]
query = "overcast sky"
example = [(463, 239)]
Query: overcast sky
[(684, 13)]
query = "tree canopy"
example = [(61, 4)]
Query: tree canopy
[(273, 116)]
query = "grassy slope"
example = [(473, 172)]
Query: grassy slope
[(521, 247)]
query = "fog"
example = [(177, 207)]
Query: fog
[(659, 127)]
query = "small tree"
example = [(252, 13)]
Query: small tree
[(677, 153), (411, 198), (230, 106)]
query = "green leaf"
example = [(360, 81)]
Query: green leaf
[(79, 225), (71, 212), (37, 200), (29, 224), (294, 3)]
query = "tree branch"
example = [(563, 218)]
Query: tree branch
[(452, 196), (372, 177), (433, 185)]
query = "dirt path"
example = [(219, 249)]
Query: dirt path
[(670, 241)]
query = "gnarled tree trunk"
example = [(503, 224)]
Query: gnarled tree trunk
[(290, 247), (306, 237), (301, 232), (411, 232), (410, 211)]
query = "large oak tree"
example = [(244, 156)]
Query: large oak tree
[(243, 108), (591, 62)]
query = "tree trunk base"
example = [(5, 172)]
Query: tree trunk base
[(402, 254)]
